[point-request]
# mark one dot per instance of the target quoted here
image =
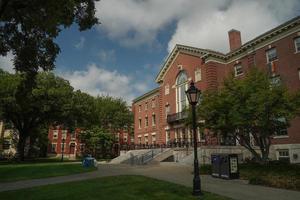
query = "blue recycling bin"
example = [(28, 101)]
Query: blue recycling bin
[(88, 162)]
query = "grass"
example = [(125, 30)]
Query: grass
[(275, 175), (14, 172), (279, 175), (112, 188)]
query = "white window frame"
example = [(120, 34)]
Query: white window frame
[(236, 70), (153, 120), (140, 123), (146, 105), (146, 121), (167, 89), (297, 48), (140, 108), (267, 54), (167, 110), (179, 87), (55, 134), (153, 103), (198, 75), (55, 149)]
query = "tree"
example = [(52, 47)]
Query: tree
[(113, 114), (95, 139), (28, 29), (248, 107), (47, 103)]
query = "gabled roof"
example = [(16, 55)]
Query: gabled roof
[(225, 58), (186, 49), (148, 94)]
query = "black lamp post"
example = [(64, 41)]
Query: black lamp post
[(193, 95), (62, 149)]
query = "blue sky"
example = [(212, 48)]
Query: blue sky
[(122, 56)]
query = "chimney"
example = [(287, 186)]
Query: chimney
[(235, 40)]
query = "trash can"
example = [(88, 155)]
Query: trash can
[(225, 166), (88, 162)]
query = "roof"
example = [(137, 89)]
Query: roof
[(207, 53), (148, 94)]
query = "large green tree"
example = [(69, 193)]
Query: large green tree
[(98, 141), (28, 29), (113, 114), (252, 105), (49, 102)]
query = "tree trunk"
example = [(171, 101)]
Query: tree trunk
[(21, 147)]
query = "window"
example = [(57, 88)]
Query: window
[(140, 139), (146, 106), (198, 75), (146, 139), (282, 129), (167, 110), (238, 70), (153, 103), (63, 147), (140, 123), (53, 147), (6, 144), (271, 55), (297, 44), (153, 120), (140, 108), (153, 139), (283, 155), (168, 137), (64, 134), (167, 89), (55, 134), (146, 121), (299, 73), (181, 87)]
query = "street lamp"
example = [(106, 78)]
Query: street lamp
[(62, 149), (193, 95)]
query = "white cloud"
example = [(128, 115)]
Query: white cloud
[(99, 81), (80, 44), (6, 63), (198, 23), (107, 55)]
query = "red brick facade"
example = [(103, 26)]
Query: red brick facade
[(72, 145), (213, 67)]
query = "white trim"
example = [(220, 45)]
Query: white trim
[(153, 133), (139, 136), (280, 136), (146, 135)]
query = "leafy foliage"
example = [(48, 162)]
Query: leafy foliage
[(28, 29), (250, 106), (97, 139)]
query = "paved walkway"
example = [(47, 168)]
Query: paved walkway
[(236, 189)]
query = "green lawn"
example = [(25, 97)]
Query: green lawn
[(278, 175), (110, 188), (14, 172)]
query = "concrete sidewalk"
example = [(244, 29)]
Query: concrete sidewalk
[(236, 189)]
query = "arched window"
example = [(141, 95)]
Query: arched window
[(181, 87)]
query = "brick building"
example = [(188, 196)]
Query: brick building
[(72, 145), (158, 114)]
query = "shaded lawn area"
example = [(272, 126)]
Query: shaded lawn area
[(14, 172), (112, 188), (278, 175), (275, 175)]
